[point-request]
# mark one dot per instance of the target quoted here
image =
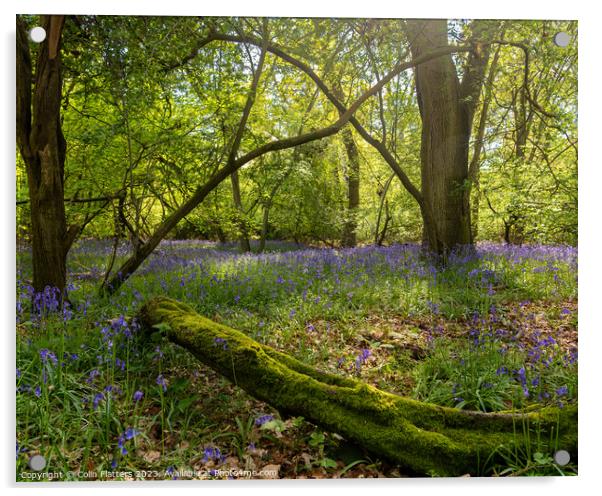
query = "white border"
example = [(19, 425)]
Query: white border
[(590, 180)]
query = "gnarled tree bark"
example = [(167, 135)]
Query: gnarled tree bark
[(425, 438), (447, 108), (42, 146)]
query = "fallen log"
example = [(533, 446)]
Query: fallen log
[(426, 438)]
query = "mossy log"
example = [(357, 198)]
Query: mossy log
[(426, 438)]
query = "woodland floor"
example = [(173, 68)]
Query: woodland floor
[(78, 373)]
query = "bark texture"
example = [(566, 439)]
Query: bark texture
[(425, 438), (348, 238), (42, 146), (447, 108)]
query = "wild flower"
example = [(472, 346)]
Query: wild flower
[(160, 380), (97, 399), (213, 454), (562, 391), (112, 389), (46, 354), (521, 375), (121, 445), (94, 373), (130, 433), (221, 342), (259, 421), (361, 359), (138, 395)]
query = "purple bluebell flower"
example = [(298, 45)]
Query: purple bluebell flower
[(121, 445), (501, 370), (263, 419), (130, 433), (92, 375), (97, 399), (562, 391), (212, 453), (160, 380), (46, 354), (138, 395)]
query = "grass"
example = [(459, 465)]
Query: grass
[(91, 397)]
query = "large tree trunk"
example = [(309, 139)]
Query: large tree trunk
[(42, 147), (353, 189), (422, 437), (446, 108)]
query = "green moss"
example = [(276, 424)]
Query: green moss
[(423, 437)]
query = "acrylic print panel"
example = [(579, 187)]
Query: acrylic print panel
[(281, 248)]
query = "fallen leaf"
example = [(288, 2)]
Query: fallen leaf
[(150, 456)]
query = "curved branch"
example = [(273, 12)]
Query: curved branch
[(346, 115)]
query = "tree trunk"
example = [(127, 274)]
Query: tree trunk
[(245, 245), (447, 109), (382, 193), (425, 438), (42, 146), (353, 189), (265, 224), (474, 169)]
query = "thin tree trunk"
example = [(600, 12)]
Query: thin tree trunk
[(42, 146), (353, 189), (245, 245), (264, 225), (474, 167), (378, 238)]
